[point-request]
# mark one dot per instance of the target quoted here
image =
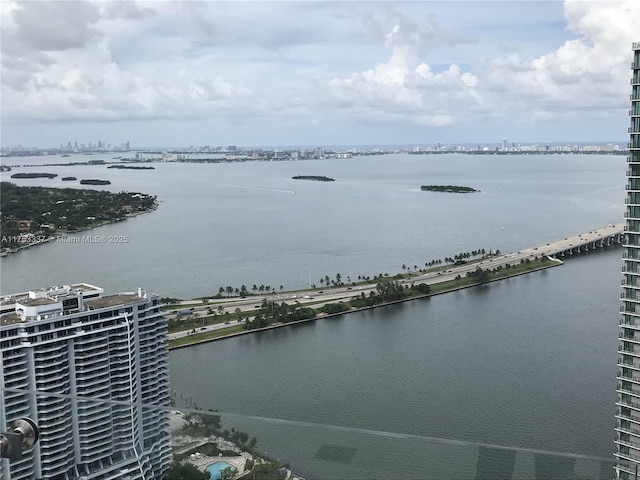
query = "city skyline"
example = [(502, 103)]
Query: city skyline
[(315, 73)]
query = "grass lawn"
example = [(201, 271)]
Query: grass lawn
[(198, 337)]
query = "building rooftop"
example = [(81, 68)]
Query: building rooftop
[(9, 319), (37, 301), (57, 302), (52, 291), (113, 300)]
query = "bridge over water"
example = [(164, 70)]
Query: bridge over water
[(600, 237)]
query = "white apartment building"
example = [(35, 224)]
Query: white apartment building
[(102, 360)]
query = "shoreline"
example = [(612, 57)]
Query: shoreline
[(321, 316), (62, 234)]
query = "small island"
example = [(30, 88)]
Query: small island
[(316, 178), (131, 167), (448, 188), (68, 179), (34, 175), (93, 181)]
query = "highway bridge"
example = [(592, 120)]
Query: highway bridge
[(609, 235)]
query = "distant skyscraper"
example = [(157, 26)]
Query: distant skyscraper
[(628, 377), (75, 344)]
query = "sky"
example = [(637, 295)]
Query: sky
[(315, 73)]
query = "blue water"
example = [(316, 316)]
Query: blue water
[(215, 468)]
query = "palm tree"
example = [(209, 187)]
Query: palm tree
[(254, 288)]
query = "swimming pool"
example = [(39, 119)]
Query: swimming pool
[(215, 468)]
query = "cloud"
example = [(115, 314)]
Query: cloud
[(588, 73), (404, 89), (52, 26), (305, 63)]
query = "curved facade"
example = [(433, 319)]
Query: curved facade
[(102, 359)]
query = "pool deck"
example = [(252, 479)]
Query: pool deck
[(238, 462)]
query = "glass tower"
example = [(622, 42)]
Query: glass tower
[(628, 377)]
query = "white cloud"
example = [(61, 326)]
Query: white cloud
[(306, 63), (588, 73)]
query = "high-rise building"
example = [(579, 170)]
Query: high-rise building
[(628, 377), (85, 366)]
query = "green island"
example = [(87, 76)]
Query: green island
[(32, 215), (68, 179), (34, 175), (380, 290), (448, 188), (317, 178), (131, 167), (93, 181)]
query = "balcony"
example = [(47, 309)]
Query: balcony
[(630, 338), (630, 443), (628, 351), (628, 390), (631, 377), (630, 416)]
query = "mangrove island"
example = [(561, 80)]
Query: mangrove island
[(131, 167), (34, 175), (448, 188), (317, 178), (93, 181)]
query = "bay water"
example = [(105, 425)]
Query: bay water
[(418, 390)]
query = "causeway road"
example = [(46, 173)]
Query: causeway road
[(319, 296)]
